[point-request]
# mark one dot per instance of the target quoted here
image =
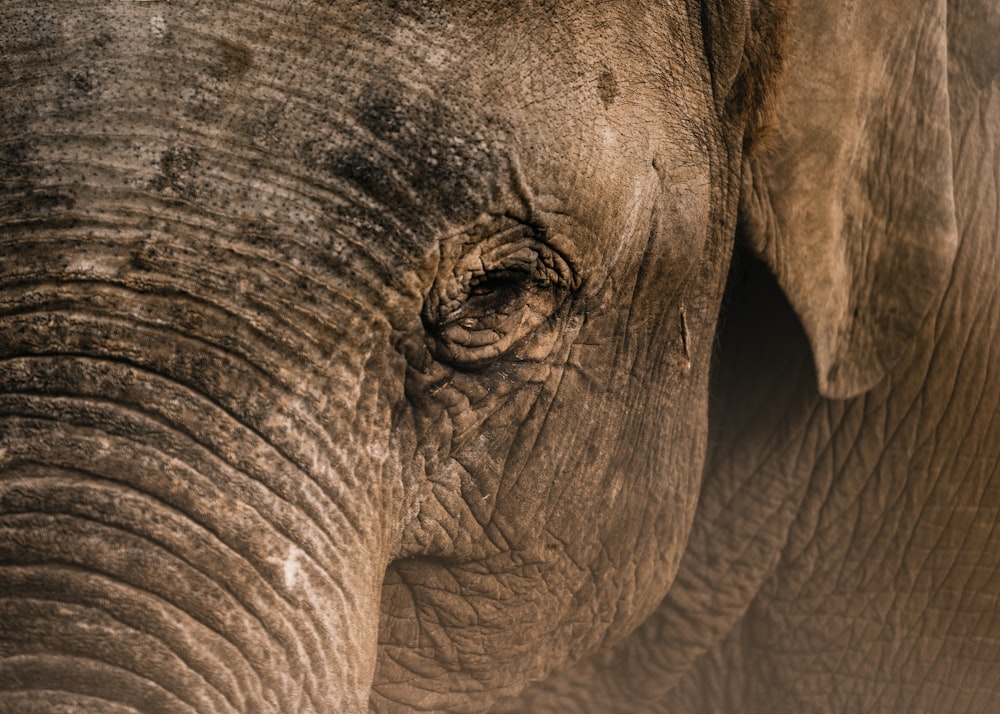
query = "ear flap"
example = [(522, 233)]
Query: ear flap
[(851, 205)]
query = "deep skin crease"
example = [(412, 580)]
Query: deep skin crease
[(367, 356)]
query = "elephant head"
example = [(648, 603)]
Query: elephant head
[(357, 354)]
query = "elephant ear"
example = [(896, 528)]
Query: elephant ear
[(850, 200)]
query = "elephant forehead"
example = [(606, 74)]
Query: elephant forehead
[(565, 110), (393, 121)]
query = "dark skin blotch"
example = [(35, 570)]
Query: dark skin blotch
[(15, 168), (381, 114), (413, 156), (236, 58), (607, 88), (357, 168), (49, 200), (82, 82), (143, 257), (177, 172)]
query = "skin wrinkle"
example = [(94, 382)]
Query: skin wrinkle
[(194, 388), (176, 614), (175, 220), (208, 574), (195, 298), (162, 326), (979, 397), (187, 664), (148, 683), (313, 515), (231, 542), (152, 595), (802, 492), (541, 421), (70, 699)]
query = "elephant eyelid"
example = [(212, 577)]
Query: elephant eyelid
[(493, 289), (498, 293)]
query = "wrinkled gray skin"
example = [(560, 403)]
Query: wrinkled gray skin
[(369, 356)]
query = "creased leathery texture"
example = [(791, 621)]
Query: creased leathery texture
[(184, 406), (101, 512), (132, 414)]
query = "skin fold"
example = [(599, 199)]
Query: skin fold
[(367, 356)]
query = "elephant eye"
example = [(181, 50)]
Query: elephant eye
[(498, 284), (493, 295)]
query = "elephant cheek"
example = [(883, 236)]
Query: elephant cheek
[(180, 529)]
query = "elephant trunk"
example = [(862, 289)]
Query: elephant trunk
[(190, 494)]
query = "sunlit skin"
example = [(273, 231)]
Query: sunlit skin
[(392, 356)]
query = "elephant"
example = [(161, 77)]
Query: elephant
[(553, 356)]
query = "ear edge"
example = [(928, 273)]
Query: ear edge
[(852, 352), (861, 246)]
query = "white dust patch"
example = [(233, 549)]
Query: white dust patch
[(294, 575), (158, 26)]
